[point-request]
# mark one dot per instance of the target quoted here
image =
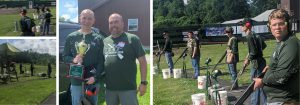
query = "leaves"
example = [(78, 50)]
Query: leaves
[(168, 13)]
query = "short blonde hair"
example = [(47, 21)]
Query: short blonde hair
[(87, 11), (279, 14)]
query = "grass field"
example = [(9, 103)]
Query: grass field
[(179, 91), (28, 90), (7, 22)]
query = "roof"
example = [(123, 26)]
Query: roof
[(7, 48), (259, 18)]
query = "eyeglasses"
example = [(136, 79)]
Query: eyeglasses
[(280, 24)]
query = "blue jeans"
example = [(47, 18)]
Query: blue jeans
[(46, 28), (258, 94), (169, 60), (233, 72), (195, 64), (77, 95)]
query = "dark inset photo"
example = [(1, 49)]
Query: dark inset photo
[(28, 18), (28, 71)]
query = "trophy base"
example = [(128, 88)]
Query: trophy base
[(76, 71)]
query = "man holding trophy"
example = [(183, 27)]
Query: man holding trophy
[(84, 51)]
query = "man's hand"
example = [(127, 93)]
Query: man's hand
[(91, 80), (246, 62), (142, 89), (265, 69), (258, 83), (78, 59)]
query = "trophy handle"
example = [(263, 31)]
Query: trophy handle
[(76, 45), (88, 45)]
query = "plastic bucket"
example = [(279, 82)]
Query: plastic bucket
[(198, 99), (201, 82), (166, 73), (177, 73), (223, 96)]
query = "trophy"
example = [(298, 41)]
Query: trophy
[(77, 70), (82, 48)]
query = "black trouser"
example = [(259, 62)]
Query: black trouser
[(27, 34)]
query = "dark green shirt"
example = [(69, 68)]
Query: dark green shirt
[(92, 59), (120, 61), (281, 81), (168, 45), (191, 44), (256, 45)]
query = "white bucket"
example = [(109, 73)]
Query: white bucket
[(38, 28), (198, 99), (177, 73), (223, 96), (201, 82), (166, 73)]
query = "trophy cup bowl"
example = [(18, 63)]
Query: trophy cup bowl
[(81, 48)]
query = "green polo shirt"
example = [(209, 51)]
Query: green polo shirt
[(120, 61), (92, 59), (281, 81)]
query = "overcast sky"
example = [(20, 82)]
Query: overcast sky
[(37, 45)]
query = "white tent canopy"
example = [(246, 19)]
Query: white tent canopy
[(259, 18)]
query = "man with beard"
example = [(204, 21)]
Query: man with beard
[(121, 49)]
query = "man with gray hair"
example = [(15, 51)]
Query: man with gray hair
[(92, 60), (121, 49)]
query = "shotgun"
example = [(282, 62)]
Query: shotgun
[(222, 57), (248, 91), (238, 75), (182, 55)]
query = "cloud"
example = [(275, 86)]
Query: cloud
[(69, 4), (66, 16), (75, 19), (37, 45), (71, 7)]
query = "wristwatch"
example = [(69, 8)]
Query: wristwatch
[(144, 82)]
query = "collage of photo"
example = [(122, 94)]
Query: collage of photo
[(149, 52)]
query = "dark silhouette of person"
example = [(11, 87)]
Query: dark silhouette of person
[(21, 68), (49, 70), (31, 68)]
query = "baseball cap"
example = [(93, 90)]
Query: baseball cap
[(228, 30)]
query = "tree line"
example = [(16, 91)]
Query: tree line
[(202, 12), (31, 57)]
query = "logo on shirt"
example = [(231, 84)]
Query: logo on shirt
[(115, 50)]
